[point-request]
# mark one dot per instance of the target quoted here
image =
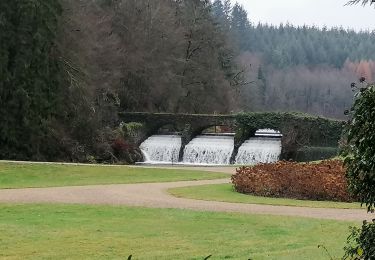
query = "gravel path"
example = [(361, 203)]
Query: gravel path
[(156, 196), (227, 169)]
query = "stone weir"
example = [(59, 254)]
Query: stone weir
[(298, 130)]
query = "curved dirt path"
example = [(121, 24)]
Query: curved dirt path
[(226, 169), (155, 195)]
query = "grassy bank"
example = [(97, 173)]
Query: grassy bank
[(93, 232), (226, 193), (15, 175)]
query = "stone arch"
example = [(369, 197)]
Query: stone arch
[(297, 129), (167, 128)]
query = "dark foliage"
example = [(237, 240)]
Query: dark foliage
[(316, 153), (293, 68), (65, 77), (126, 152), (361, 150), (361, 242), (360, 162), (30, 89), (287, 45)]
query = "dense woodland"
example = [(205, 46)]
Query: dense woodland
[(67, 67), (296, 68)]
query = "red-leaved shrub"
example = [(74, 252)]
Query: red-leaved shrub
[(120, 145), (309, 181)]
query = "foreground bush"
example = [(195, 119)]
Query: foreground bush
[(361, 242), (321, 181), (361, 165)]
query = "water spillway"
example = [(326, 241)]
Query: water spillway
[(210, 150), (213, 149), (161, 149), (268, 133), (259, 150)]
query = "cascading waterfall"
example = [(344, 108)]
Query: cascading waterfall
[(268, 133), (213, 149), (259, 150), (209, 149), (161, 149)]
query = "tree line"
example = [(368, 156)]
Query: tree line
[(30, 95), (287, 45), (292, 68), (68, 67)]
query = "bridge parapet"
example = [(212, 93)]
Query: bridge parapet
[(189, 125), (298, 129)]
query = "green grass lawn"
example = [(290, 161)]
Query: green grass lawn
[(103, 232), (225, 192), (14, 175)]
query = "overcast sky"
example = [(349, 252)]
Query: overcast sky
[(311, 12)]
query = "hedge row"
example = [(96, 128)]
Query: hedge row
[(308, 130), (321, 181), (310, 153)]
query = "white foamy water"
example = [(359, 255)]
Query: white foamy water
[(259, 150), (209, 149), (161, 148), (268, 132)]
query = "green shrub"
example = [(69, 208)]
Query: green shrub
[(309, 153), (131, 130), (308, 130), (361, 154), (361, 242), (360, 162)]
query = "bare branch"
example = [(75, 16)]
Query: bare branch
[(363, 2)]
